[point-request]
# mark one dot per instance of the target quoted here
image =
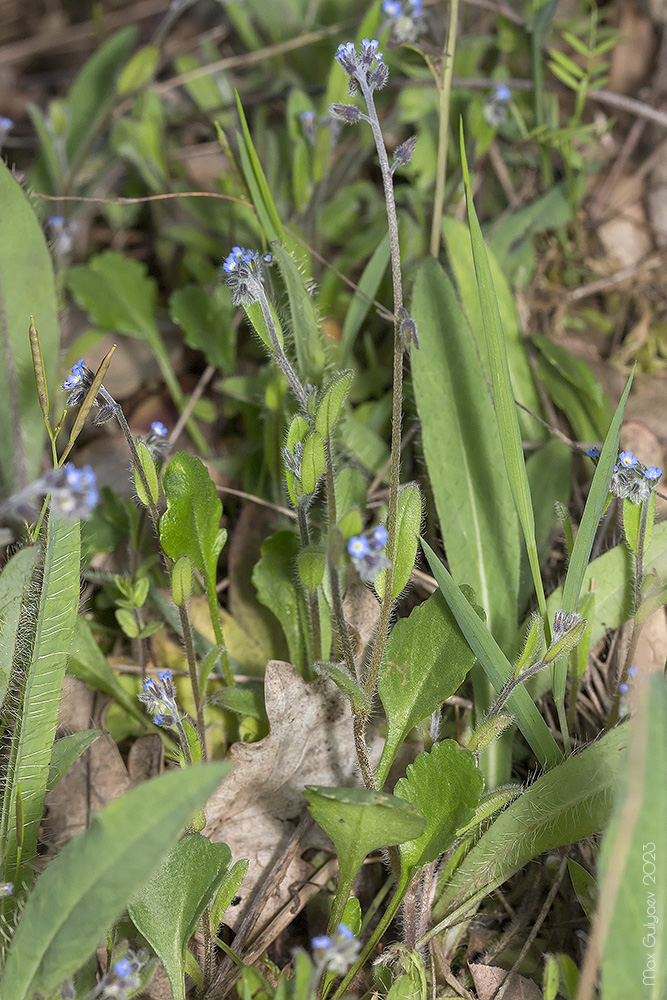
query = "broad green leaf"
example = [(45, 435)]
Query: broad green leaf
[(462, 447), (459, 256), (426, 661), (92, 93), (511, 239), (14, 580), (503, 391), (27, 767), (568, 803), (275, 579), (305, 322), (632, 899), (496, 666), (88, 663), (366, 290), (119, 295), (191, 524), (85, 889), (206, 320), (331, 403), (66, 751), (26, 289), (138, 71), (408, 525), (445, 785), (253, 311), (358, 822), (168, 908)]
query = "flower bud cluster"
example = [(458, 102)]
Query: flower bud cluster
[(631, 479), (336, 953), (123, 978), (495, 107), (242, 271), (62, 233), (78, 384), (159, 697), (73, 494), (156, 440), (366, 552), (365, 68), (406, 19)]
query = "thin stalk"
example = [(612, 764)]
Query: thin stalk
[(313, 597), (397, 395), (281, 358), (194, 677), (444, 96)]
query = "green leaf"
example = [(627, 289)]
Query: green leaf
[(632, 900), (445, 785), (503, 391), (181, 581), (206, 320), (461, 447), (66, 751), (574, 389), (138, 71), (305, 322), (358, 822), (331, 403), (260, 192), (459, 256), (585, 887), (14, 581), (26, 289), (512, 237), (150, 472), (568, 803), (366, 290), (191, 524), (168, 908), (274, 578), (426, 661), (227, 890), (27, 769), (496, 666), (85, 889), (408, 525), (88, 663), (313, 462)]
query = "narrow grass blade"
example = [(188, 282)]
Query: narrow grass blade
[(495, 664)]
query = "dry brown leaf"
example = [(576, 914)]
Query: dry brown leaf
[(256, 809), (488, 978)]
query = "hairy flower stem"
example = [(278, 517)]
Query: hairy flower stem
[(280, 356), (397, 396), (313, 598), (194, 677), (125, 427), (444, 86)]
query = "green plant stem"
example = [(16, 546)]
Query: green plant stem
[(313, 596), (194, 677), (397, 397), (280, 356), (444, 86), (376, 936)]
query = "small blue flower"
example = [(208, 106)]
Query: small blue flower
[(56, 221), (593, 453), (369, 52), (6, 889), (358, 547), (122, 968), (321, 943), (379, 537), (392, 8), (627, 460), (346, 57), (73, 491), (417, 8), (158, 720), (633, 671), (623, 688), (336, 953), (345, 932), (307, 118), (653, 472), (503, 93), (6, 124)]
